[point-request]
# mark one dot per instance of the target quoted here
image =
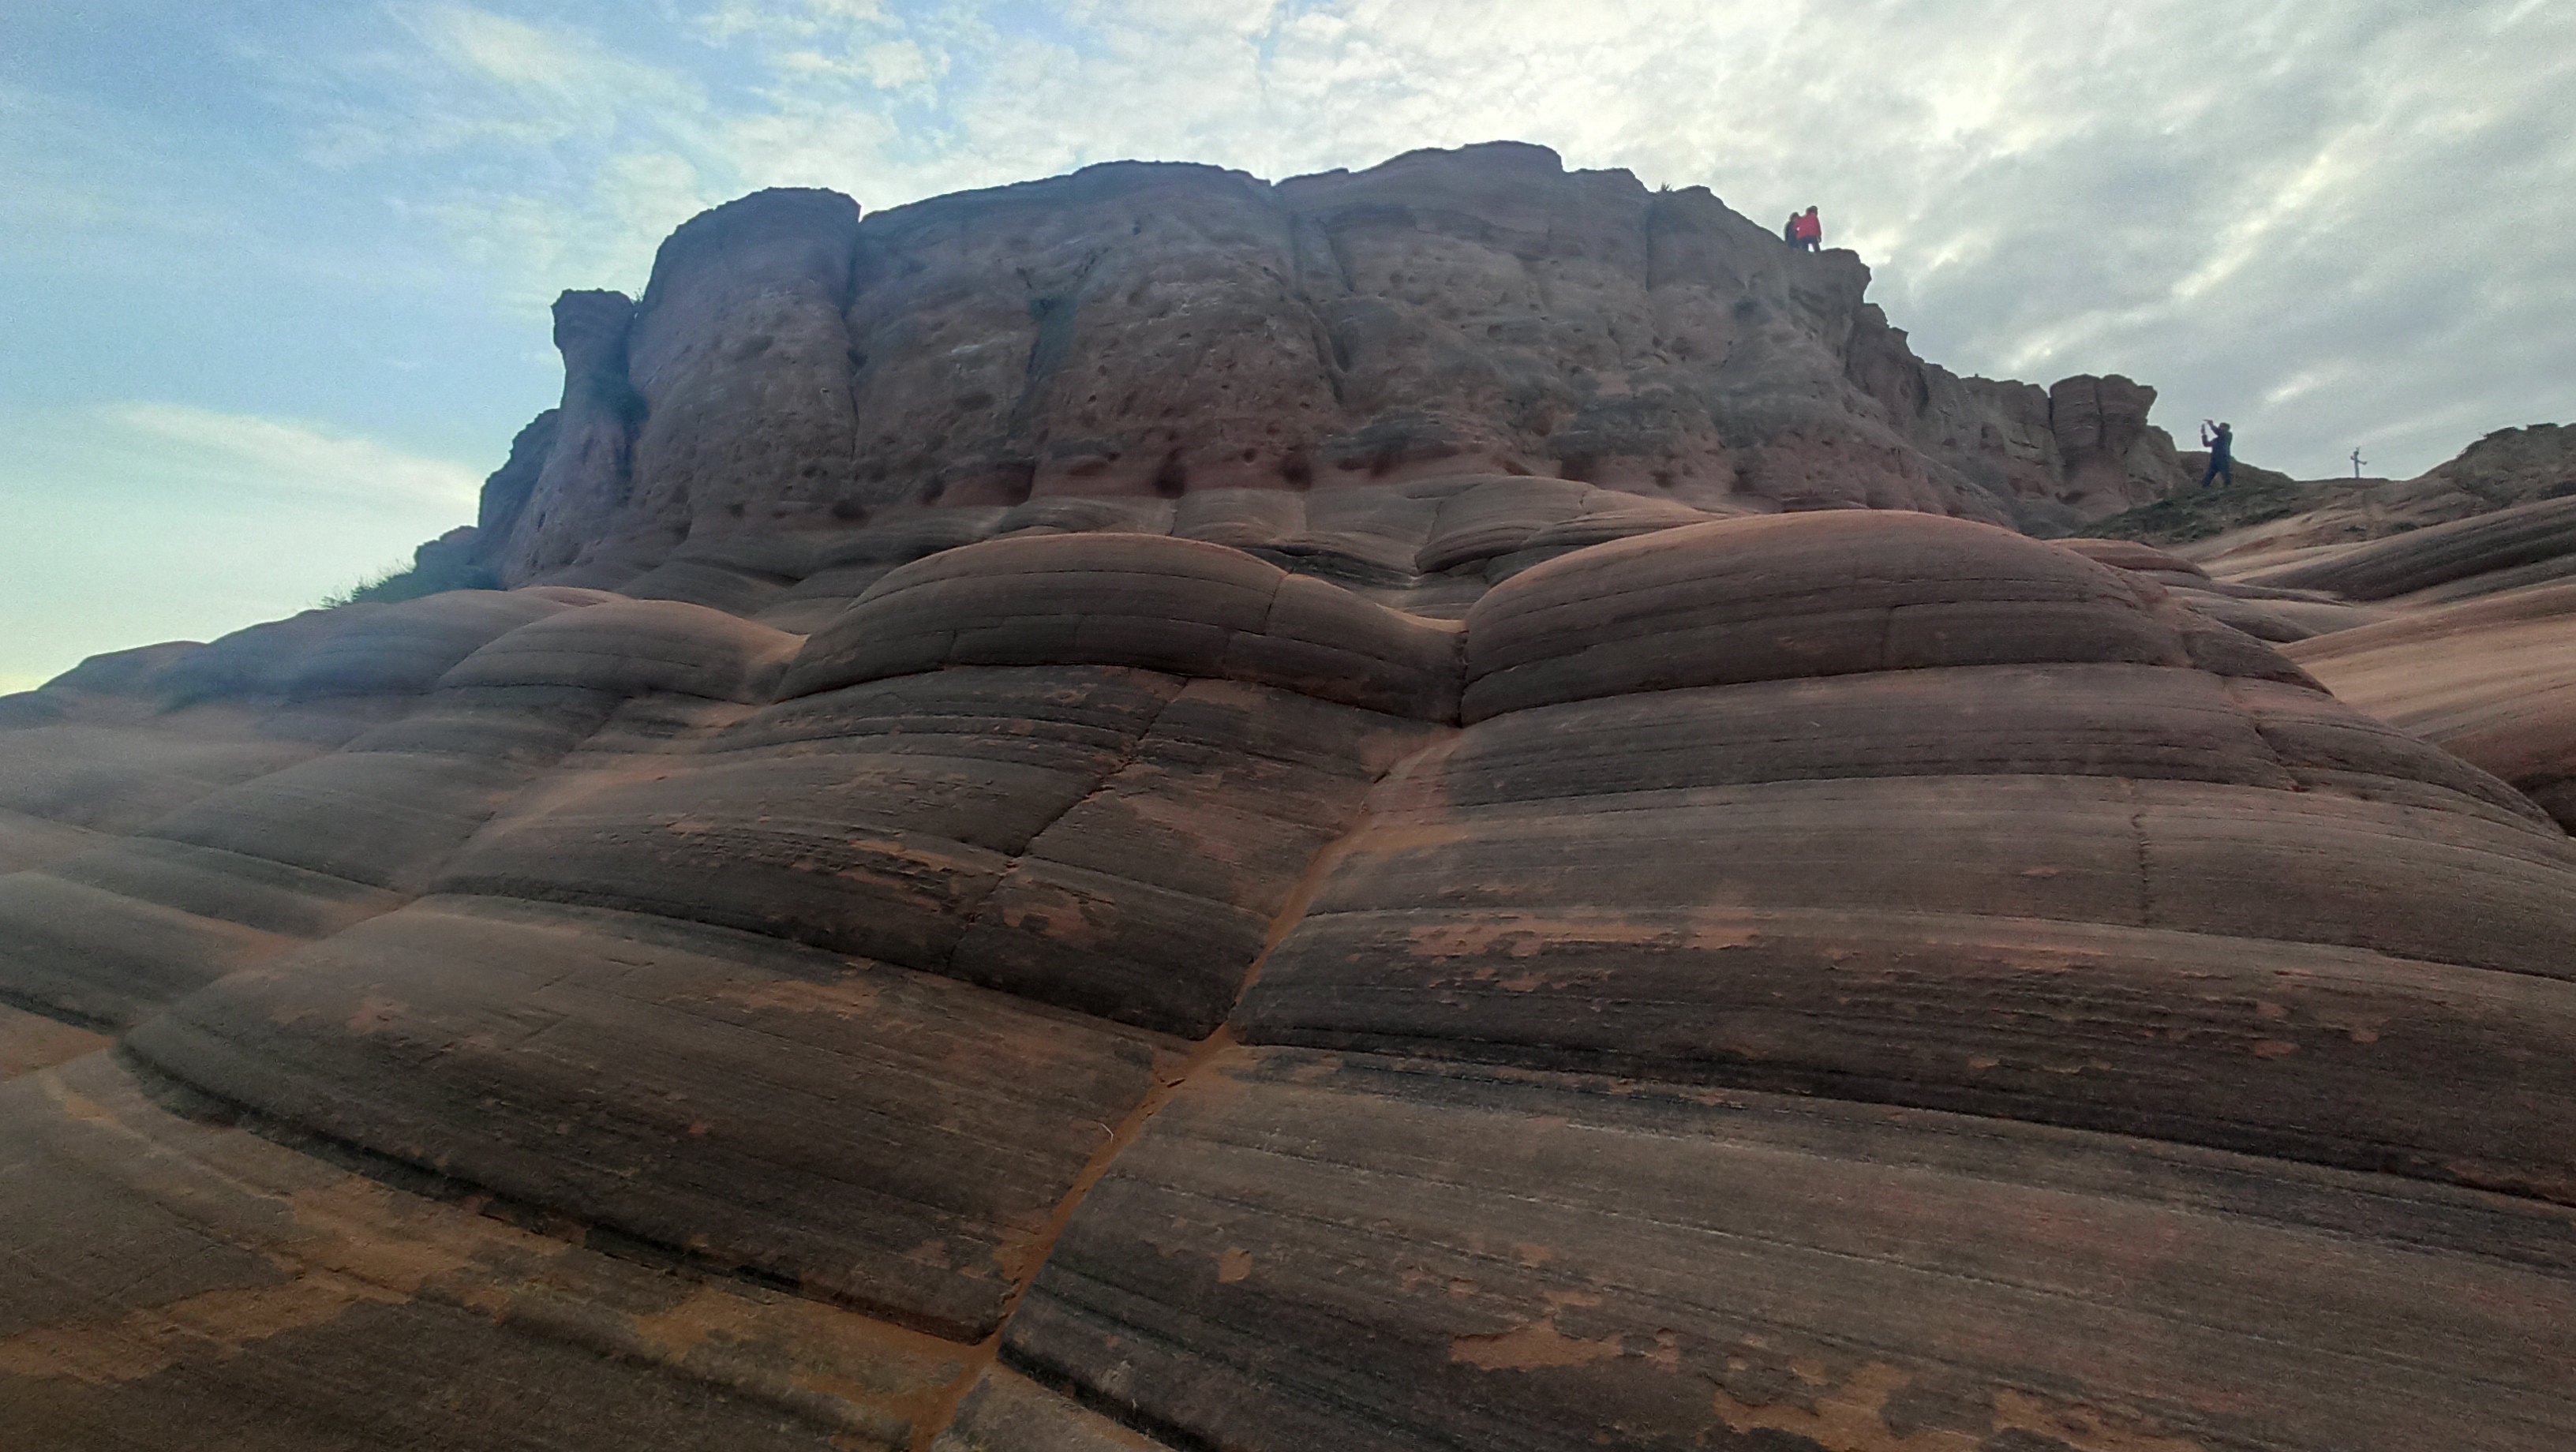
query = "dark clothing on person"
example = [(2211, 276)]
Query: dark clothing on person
[(2221, 465), (1789, 230)]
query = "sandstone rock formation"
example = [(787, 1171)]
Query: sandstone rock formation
[(1839, 980), (1157, 331), (1157, 812), (2272, 516), (2492, 680), (2459, 573), (2113, 457)]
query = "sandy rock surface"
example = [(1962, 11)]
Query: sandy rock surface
[(1468, 960), (2493, 681)]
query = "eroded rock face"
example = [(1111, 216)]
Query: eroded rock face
[(1468, 960), (587, 469), (2114, 458), (1153, 331)]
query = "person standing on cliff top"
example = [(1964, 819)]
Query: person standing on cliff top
[(1789, 230), (2220, 440), (1805, 230)]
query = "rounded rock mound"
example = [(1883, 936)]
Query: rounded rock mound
[(1810, 981), (1148, 602), (1797, 595)]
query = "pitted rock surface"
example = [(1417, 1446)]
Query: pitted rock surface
[(1158, 331)]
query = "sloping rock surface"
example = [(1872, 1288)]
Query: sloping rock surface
[(2492, 680), (2439, 604), (2267, 518), (1462, 960), (2527, 544)]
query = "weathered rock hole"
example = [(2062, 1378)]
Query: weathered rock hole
[(1173, 478)]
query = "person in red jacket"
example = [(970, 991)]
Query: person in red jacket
[(1808, 232)]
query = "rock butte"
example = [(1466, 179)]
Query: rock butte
[(1152, 811)]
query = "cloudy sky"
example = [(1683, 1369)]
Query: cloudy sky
[(273, 273)]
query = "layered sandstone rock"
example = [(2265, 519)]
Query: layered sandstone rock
[(1458, 960), (2492, 681), (2438, 604), (2526, 544), (1156, 332), (1159, 811), (2269, 519)]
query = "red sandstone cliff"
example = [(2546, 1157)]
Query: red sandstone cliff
[(1155, 330)]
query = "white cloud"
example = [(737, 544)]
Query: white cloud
[(895, 65), (2216, 199), (545, 156), (501, 79), (188, 445), (796, 21), (143, 521)]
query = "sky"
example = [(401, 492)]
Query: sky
[(274, 273)]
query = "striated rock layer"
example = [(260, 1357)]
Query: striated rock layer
[(2441, 605), (1157, 331), (2268, 519), (1453, 961), (2492, 680)]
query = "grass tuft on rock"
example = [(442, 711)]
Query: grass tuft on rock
[(395, 583)]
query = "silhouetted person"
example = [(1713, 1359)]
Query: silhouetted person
[(2220, 440), (1789, 230), (1806, 231)]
